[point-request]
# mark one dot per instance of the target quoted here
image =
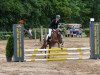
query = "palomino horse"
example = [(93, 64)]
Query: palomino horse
[(55, 38)]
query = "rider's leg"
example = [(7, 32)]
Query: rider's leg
[(50, 30), (49, 35)]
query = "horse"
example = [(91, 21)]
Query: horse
[(55, 38), (27, 33)]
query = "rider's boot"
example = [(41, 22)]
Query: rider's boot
[(49, 39)]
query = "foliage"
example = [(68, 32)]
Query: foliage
[(10, 47), (5, 35), (40, 12), (87, 32)]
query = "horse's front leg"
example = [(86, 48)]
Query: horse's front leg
[(49, 50), (58, 45), (44, 46), (62, 44)]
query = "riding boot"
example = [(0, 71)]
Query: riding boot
[(49, 39)]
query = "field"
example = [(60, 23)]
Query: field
[(67, 67)]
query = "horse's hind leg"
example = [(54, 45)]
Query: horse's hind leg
[(44, 45)]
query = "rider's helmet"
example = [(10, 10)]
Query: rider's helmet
[(58, 16)]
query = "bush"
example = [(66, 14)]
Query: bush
[(4, 35), (87, 32), (9, 48)]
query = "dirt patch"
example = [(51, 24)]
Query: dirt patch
[(67, 67)]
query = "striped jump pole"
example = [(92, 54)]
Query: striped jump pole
[(53, 59), (57, 54), (58, 49)]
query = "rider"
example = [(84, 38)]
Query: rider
[(53, 25)]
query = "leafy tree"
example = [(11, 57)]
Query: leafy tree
[(40, 12)]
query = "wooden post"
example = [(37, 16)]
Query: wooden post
[(41, 34), (35, 33), (45, 31)]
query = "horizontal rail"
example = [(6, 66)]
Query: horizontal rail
[(56, 54), (51, 59), (58, 49)]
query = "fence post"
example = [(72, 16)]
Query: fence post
[(99, 40), (41, 34), (45, 31), (35, 33)]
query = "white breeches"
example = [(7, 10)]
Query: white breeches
[(49, 34), (50, 31)]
